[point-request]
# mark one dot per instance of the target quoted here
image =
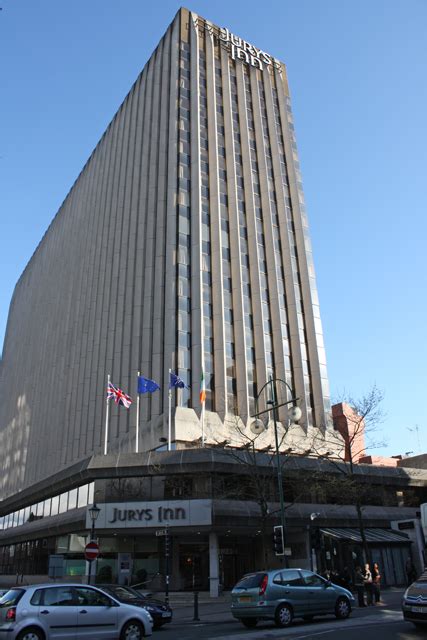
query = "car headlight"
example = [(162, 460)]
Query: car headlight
[(405, 595), (149, 609)]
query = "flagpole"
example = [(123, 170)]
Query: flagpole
[(170, 413), (202, 401), (137, 417), (203, 423), (107, 416)]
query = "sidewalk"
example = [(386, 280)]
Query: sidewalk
[(217, 610), (186, 598)]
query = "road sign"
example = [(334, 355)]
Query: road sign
[(161, 532), (91, 551)]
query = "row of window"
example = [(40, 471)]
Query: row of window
[(184, 230), (73, 499), (226, 258), (208, 343)]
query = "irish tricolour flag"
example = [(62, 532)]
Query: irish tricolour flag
[(202, 389)]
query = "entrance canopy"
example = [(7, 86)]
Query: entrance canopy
[(373, 536)]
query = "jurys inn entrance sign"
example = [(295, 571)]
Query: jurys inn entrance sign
[(239, 49), (131, 515)]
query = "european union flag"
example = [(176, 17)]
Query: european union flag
[(145, 385), (176, 381)]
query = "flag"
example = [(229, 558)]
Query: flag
[(176, 381), (118, 395), (202, 389), (145, 385)]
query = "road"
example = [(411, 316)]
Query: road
[(216, 623)]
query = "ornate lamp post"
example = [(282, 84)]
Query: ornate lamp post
[(93, 513), (258, 427)]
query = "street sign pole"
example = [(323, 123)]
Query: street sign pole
[(167, 552), (91, 554)]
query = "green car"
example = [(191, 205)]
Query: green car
[(284, 594)]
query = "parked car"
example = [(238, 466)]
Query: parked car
[(159, 610), (284, 594), (51, 611), (414, 603)]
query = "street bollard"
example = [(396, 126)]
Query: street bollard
[(196, 607)]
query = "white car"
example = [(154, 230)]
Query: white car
[(69, 611)]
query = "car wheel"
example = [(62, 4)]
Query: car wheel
[(308, 618), (32, 633), (249, 623), (342, 608), (283, 616), (133, 630)]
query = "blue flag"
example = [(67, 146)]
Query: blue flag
[(176, 381), (145, 385)]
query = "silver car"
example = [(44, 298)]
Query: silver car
[(284, 594), (414, 603), (69, 611)]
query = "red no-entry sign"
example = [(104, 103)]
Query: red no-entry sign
[(91, 551)]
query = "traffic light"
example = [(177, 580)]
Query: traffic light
[(279, 541)]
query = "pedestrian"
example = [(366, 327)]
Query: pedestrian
[(411, 574), (367, 580), (346, 578), (376, 583), (359, 584)]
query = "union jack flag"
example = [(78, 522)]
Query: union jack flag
[(118, 396)]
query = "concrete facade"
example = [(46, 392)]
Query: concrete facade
[(182, 245)]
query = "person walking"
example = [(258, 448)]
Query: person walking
[(376, 583), (367, 581), (359, 584)]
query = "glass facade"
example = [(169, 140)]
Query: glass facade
[(66, 501)]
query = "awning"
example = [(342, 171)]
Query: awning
[(373, 536)]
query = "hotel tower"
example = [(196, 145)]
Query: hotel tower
[(183, 245)]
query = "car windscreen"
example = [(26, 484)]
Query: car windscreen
[(11, 597), (123, 594), (251, 581)]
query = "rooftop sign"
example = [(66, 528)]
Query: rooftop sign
[(238, 48), (241, 50)]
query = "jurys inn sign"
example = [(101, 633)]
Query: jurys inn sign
[(131, 515), (239, 49)]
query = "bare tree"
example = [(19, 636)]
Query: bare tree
[(259, 466), (356, 424)]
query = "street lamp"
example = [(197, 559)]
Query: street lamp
[(313, 516), (93, 513), (258, 427)]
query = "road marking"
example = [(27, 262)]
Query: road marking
[(390, 617)]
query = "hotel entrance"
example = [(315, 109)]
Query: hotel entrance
[(236, 557), (194, 566)]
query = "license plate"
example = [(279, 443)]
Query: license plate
[(417, 610), (245, 598), (167, 614)]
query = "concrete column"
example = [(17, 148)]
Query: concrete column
[(213, 565)]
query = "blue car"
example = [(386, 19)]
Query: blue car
[(284, 594)]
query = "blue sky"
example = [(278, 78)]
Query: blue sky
[(357, 73)]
